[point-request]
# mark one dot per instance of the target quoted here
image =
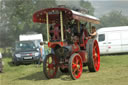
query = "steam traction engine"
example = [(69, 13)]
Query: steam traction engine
[(67, 39)]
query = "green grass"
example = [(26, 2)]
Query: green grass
[(113, 71)]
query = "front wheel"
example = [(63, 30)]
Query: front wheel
[(75, 66), (93, 55), (50, 67)]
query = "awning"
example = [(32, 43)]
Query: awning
[(54, 16)]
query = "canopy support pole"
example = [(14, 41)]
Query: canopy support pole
[(61, 22), (90, 26), (78, 23), (47, 26)]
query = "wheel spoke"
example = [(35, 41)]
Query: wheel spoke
[(50, 68), (76, 67), (77, 60), (79, 70), (48, 71), (94, 47), (74, 70)]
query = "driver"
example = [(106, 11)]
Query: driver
[(93, 32), (56, 32), (75, 46)]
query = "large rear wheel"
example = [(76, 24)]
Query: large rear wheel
[(50, 67), (93, 55), (75, 66)]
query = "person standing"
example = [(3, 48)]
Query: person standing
[(93, 32), (42, 51), (1, 66)]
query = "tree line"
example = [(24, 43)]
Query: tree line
[(16, 18)]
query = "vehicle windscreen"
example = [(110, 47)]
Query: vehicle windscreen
[(25, 46)]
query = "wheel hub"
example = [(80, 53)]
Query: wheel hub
[(78, 66)]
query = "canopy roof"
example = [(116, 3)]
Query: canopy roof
[(54, 15)]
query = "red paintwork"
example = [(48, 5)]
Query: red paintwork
[(84, 40), (53, 44), (40, 16), (75, 48), (96, 55), (83, 55), (77, 66)]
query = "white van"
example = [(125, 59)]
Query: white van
[(113, 39)]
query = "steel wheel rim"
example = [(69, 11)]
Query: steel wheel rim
[(51, 66), (96, 56), (77, 66)]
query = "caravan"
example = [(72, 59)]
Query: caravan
[(113, 40)]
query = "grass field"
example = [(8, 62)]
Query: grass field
[(113, 71)]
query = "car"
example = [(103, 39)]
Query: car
[(26, 52)]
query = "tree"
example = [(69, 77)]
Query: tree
[(87, 5), (17, 17), (114, 18)]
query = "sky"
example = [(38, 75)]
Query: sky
[(105, 6), (101, 6)]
